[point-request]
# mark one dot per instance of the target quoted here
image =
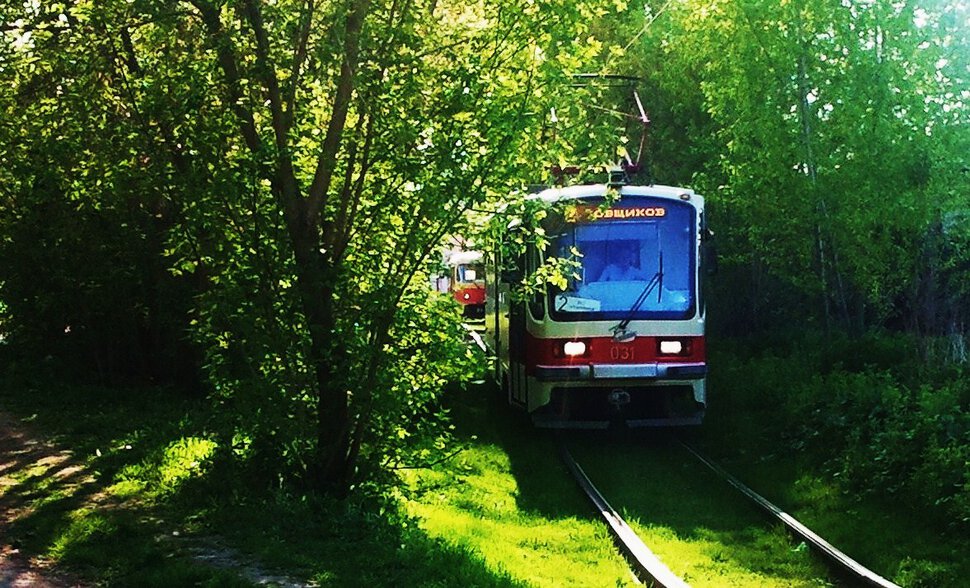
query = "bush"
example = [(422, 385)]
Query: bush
[(917, 573), (849, 407)]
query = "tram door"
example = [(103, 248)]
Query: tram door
[(516, 343)]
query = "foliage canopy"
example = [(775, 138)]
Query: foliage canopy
[(245, 196)]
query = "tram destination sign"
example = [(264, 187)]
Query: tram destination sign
[(589, 213)]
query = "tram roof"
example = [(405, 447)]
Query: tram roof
[(464, 257), (552, 195)]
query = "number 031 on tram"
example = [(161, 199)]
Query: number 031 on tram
[(623, 341)]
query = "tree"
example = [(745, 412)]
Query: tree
[(86, 207), (366, 198), (820, 125), (307, 158)]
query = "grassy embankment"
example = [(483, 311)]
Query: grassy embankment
[(499, 513), (865, 440), (145, 506)]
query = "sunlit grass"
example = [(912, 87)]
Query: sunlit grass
[(84, 526), (473, 504), (143, 496), (166, 470), (707, 558), (702, 529), (503, 512), (127, 489)]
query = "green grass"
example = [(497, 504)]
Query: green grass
[(142, 492), (146, 495), (705, 532), (761, 429), (507, 499), (338, 544), (94, 509), (475, 506), (889, 537)]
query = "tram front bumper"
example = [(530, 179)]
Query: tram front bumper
[(639, 395), (636, 371)]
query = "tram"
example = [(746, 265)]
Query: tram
[(467, 283), (623, 341)]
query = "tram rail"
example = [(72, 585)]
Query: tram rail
[(843, 562), (648, 567)]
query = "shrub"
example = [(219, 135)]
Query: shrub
[(918, 573), (857, 415)]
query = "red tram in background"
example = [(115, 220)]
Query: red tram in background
[(625, 341), (467, 283)]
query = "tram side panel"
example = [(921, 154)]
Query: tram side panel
[(497, 318)]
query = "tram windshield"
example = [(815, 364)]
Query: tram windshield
[(623, 249), (469, 272)]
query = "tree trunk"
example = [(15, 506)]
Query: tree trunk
[(312, 239)]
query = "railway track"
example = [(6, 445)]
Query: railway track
[(648, 567)]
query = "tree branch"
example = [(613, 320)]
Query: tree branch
[(267, 72), (230, 68), (299, 59), (327, 160), (345, 223)]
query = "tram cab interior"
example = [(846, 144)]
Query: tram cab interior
[(617, 262)]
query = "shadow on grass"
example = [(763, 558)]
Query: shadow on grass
[(338, 544), (68, 506), (61, 453), (480, 411), (648, 477)]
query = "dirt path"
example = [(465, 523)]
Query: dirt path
[(30, 466), (23, 456), (17, 571)]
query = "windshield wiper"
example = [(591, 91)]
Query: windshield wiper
[(620, 334)]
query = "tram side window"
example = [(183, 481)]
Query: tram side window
[(537, 301), (678, 245)]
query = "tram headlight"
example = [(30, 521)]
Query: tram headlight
[(573, 348), (671, 347), (466, 295)]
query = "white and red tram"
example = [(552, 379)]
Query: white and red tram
[(467, 283), (624, 342)]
